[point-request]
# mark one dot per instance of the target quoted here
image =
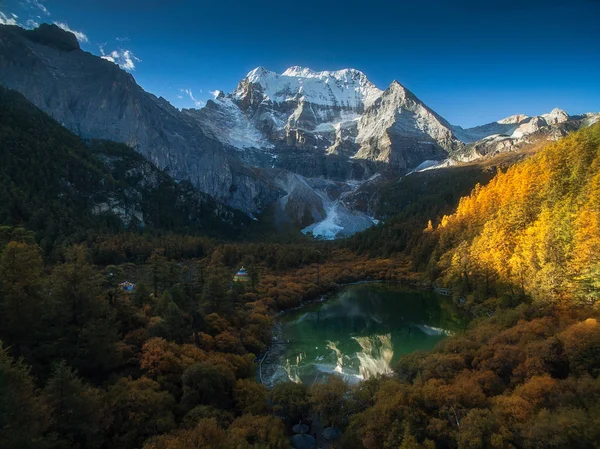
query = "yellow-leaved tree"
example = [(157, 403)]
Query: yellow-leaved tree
[(534, 229)]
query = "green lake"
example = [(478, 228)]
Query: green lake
[(359, 332)]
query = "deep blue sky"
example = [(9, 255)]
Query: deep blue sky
[(473, 61)]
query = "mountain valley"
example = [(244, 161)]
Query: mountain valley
[(299, 143), (305, 258)]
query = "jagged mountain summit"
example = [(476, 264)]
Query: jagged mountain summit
[(300, 142), (347, 89), (332, 124)]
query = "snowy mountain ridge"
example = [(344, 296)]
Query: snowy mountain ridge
[(348, 88), (516, 131), (332, 124), (342, 113)]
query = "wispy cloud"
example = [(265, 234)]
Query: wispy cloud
[(81, 37), (215, 93), (189, 93), (31, 24), (124, 58), (122, 39), (39, 5), (8, 19)]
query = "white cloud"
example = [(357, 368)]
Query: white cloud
[(215, 93), (31, 24), (122, 39), (124, 58), (81, 37), (8, 20), (180, 97), (37, 4), (189, 93)]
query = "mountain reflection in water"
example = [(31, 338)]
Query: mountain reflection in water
[(359, 333)]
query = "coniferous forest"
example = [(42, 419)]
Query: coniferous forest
[(173, 363)]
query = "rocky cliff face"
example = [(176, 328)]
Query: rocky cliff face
[(50, 175), (400, 130), (96, 99)]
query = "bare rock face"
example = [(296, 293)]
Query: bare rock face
[(400, 130), (96, 99)]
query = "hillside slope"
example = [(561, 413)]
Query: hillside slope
[(533, 230), (62, 187)]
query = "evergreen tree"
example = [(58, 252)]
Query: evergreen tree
[(24, 415), (77, 410)]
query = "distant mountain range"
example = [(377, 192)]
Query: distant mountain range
[(298, 143)]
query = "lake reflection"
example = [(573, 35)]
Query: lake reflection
[(359, 333)]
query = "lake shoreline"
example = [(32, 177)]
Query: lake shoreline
[(333, 289)]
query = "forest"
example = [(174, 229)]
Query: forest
[(66, 189), (172, 364)]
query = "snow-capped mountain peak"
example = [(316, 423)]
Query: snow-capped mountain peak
[(257, 74), (556, 116), (298, 71), (346, 89), (336, 113), (346, 75)]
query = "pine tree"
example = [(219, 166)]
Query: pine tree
[(77, 412)]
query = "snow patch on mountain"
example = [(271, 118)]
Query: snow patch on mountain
[(327, 229), (517, 118), (224, 120), (339, 222), (346, 120), (471, 135), (433, 165), (590, 118), (556, 116), (424, 166)]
